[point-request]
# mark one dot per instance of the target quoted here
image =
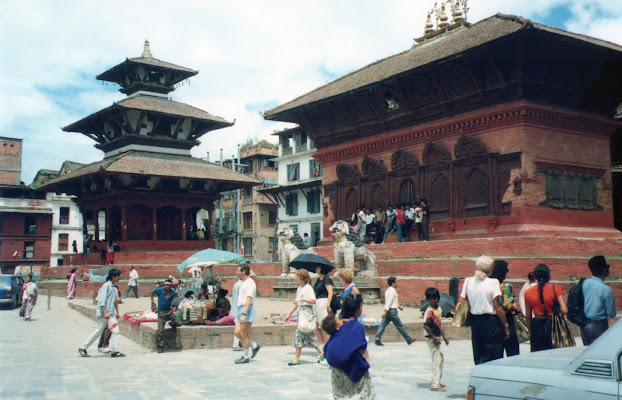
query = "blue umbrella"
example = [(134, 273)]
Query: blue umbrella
[(209, 257)]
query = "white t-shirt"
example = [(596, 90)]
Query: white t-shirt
[(305, 292), (390, 298), (247, 289), (418, 215), (480, 294), (369, 218), (133, 278), (410, 213)]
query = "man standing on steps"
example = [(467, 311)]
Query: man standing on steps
[(132, 284), (390, 314), (106, 317), (166, 295), (598, 301), (245, 315)]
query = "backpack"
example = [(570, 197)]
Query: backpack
[(576, 315)]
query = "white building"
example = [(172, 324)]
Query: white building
[(299, 190), (66, 227)]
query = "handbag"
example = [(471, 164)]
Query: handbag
[(463, 311), (520, 325), (335, 304), (306, 321), (560, 332)]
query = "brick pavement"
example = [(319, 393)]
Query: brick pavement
[(39, 360)]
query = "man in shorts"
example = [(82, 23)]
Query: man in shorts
[(245, 315)]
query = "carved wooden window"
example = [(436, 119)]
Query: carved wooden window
[(352, 202), (439, 197), (407, 192), (476, 188), (571, 190), (378, 196)]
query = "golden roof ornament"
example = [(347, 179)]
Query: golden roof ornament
[(443, 18), (458, 10), (429, 26), (147, 50)]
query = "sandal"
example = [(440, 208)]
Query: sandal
[(293, 363)]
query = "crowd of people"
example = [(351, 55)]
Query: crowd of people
[(373, 227), (331, 323)]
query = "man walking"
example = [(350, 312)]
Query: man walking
[(245, 315), (106, 317), (390, 314), (166, 295), (598, 301), (132, 284)]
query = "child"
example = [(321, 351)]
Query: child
[(433, 334)]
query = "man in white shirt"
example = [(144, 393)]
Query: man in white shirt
[(410, 218), (245, 314), (390, 314), (418, 220), (362, 225), (133, 283)]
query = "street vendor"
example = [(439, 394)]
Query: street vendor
[(165, 295)]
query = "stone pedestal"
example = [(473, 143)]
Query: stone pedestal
[(285, 288)]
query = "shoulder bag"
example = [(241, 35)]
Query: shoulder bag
[(306, 320), (463, 310), (560, 332)]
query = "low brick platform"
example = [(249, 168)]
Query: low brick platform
[(210, 337)]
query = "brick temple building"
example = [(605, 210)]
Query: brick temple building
[(25, 216), (148, 188), (504, 125)]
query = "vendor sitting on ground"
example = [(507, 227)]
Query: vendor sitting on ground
[(223, 306), (204, 293)]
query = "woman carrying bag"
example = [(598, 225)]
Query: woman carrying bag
[(509, 304), (542, 300), (305, 331)]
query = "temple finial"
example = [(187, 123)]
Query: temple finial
[(147, 50)]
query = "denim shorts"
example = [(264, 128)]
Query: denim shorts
[(250, 314)]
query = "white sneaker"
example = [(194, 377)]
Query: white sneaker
[(105, 350), (324, 363)]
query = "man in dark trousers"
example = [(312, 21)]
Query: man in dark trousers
[(598, 301), (166, 295)]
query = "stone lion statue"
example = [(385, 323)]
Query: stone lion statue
[(292, 245), (351, 253)]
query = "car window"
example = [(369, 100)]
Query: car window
[(4, 281)]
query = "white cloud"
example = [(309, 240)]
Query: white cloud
[(251, 55)]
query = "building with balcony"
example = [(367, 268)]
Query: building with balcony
[(251, 226), (299, 189)]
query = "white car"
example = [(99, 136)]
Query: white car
[(574, 373)]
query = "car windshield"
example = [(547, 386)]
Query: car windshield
[(4, 281)]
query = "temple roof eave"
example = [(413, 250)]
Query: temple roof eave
[(111, 74)]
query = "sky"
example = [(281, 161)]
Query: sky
[(251, 56)]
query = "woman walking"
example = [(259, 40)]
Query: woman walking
[(540, 299), (346, 277), (29, 297), (489, 328), (71, 285), (305, 335), (509, 304), (324, 293), (346, 352)]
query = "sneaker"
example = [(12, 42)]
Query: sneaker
[(320, 358), (324, 363), (83, 352), (255, 350), (242, 360), (105, 350), (117, 354), (410, 341)]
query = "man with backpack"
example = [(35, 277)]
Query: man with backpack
[(598, 301)]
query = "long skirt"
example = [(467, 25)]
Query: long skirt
[(71, 287), (344, 388), (541, 334)]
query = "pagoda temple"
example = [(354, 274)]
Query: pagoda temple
[(148, 188), (504, 125)]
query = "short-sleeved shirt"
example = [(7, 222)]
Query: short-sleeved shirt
[(532, 297), (133, 278), (481, 294), (426, 209), (107, 297), (599, 302), (410, 213), (305, 293), (369, 218), (320, 287), (400, 217), (507, 294), (432, 319), (247, 289), (418, 214), (163, 302)]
